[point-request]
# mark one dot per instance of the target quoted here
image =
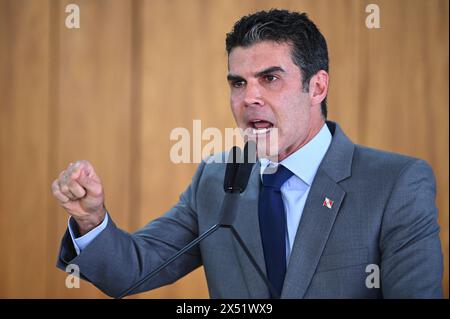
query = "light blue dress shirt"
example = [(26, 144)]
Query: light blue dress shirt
[(303, 163), (80, 243)]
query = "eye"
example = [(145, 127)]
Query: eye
[(238, 84), (270, 78)]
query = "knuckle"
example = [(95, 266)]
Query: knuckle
[(64, 188), (55, 189)]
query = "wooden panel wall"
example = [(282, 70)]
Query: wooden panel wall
[(24, 148), (112, 91)]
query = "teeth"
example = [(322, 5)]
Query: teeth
[(260, 130)]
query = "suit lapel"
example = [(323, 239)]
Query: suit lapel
[(247, 225), (312, 234), (317, 219)]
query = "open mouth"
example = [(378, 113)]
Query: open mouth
[(260, 126)]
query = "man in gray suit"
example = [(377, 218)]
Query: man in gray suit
[(345, 221)]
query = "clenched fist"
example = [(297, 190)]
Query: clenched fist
[(79, 190)]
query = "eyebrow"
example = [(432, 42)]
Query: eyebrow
[(269, 70), (233, 77)]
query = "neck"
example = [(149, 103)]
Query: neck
[(312, 132)]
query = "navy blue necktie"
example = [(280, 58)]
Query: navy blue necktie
[(272, 223)]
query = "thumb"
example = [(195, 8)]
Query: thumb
[(90, 181)]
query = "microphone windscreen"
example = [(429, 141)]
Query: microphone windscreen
[(245, 168), (234, 157)]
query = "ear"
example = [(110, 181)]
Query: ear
[(318, 87)]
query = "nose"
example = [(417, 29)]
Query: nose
[(253, 95)]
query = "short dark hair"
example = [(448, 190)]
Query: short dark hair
[(309, 52)]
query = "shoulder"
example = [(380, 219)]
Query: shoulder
[(386, 163), (211, 170), (388, 171)]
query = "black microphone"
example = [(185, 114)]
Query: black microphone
[(245, 167), (231, 170), (237, 174)]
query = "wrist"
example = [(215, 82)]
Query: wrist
[(87, 224)]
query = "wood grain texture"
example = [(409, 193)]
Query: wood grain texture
[(24, 129), (112, 91), (93, 108)]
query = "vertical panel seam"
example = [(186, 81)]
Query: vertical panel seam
[(135, 115), (52, 131)]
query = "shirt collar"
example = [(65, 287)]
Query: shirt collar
[(305, 161)]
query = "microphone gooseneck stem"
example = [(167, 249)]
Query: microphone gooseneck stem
[(171, 259), (236, 178), (228, 204), (228, 210)]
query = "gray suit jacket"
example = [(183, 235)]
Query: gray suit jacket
[(383, 214)]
